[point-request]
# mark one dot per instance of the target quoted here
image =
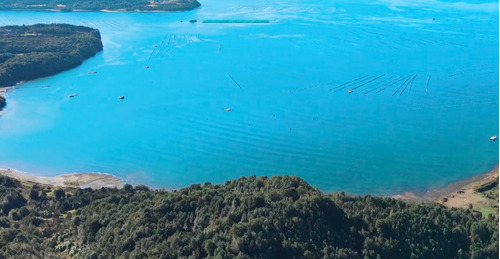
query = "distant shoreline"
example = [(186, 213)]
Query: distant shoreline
[(97, 11)]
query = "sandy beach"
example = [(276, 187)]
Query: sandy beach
[(75, 180), (462, 191)]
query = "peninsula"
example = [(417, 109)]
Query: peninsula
[(30, 52), (102, 5)]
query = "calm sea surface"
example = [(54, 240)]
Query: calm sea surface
[(424, 76)]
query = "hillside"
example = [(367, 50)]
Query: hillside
[(97, 5), (278, 217)]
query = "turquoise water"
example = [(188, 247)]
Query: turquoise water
[(285, 85)]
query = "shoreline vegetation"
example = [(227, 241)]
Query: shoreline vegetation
[(35, 51), (251, 217), (480, 191), (99, 6)]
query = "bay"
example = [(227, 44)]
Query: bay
[(424, 101)]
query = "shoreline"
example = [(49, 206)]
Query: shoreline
[(96, 180), (448, 190), (92, 180), (3, 94)]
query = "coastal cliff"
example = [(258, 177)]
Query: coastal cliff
[(103, 5), (30, 52)]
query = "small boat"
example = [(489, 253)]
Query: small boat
[(228, 109), (92, 72), (192, 21), (156, 46), (121, 97), (493, 138), (350, 91), (146, 67), (72, 95)]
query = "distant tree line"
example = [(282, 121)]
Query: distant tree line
[(255, 217), (29, 52), (96, 5)]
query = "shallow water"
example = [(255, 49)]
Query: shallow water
[(290, 112)]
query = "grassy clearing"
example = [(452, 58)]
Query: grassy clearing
[(485, 211)]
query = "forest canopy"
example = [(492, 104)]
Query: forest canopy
[(30, 52), (254, 217), (96, 5)]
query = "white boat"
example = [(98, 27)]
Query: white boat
[(228, 109), (350, 91), (493, 138)]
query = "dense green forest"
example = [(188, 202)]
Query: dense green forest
[(278, 217), (96, 5), (29, 52)]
